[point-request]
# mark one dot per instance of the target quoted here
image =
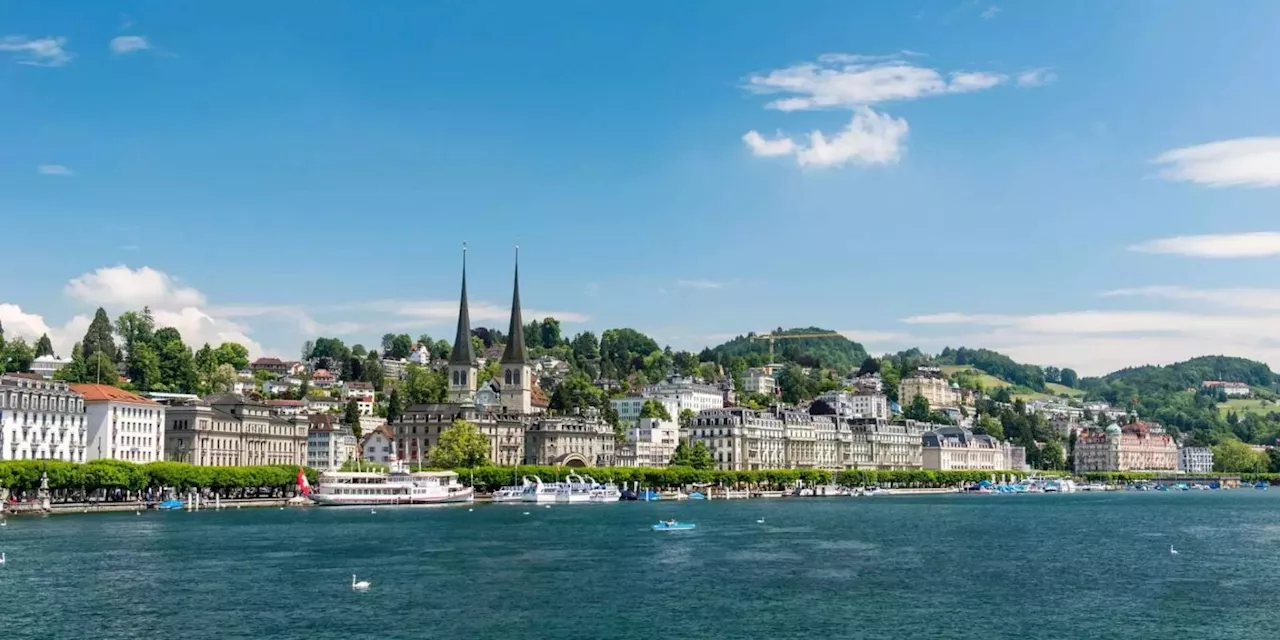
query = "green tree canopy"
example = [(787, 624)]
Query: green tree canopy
[(460, 445), (44, 347), (98, 339), (654, 409)]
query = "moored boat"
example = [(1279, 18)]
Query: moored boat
[(672, 525), (397, 487)]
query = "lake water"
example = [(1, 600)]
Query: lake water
[(1030, 566)]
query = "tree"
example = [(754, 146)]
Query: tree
[(233, 354), (1052, 457), (1273, 460), (395, 406), (135, 329), (351, 415), (686, 364), (177, 367), (143, 366), (585, 347), (425, 386), (401, 347), (17, 356), (549, 333), (700, 456), (869, 365), (1233, 456), (461, 445), (795, 386), (917, 409), (1068, 378), (44, 347), (990, 426), (489, 371), (655, 409), (574, 395), (224, 376), (388, 339), (686, 418), (359, 351), (98, 338)]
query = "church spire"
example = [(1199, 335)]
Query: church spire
[(515, 352), (463, 354)]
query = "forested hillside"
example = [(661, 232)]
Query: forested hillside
[(835, 352)]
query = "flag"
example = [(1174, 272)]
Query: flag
[(304, 487)]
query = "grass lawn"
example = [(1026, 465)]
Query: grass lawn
[(989, 382), (1248, 405), (1058, 389)]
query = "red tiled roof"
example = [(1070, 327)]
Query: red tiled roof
[(284, 403), (108, 393)]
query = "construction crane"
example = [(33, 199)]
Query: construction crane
[(773, 337)]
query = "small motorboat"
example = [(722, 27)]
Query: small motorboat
[(697, 495), (672, 525), (170, 505)]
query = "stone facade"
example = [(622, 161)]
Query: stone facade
[(585, 441), (1133, 447), (40, 420), (958, 449), (229, 430)]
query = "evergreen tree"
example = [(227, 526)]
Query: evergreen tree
[(44, 347), (351, 415), (98, 338)]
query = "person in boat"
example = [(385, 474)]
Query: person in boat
[(670, 523)]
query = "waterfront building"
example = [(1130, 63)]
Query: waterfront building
[(229, 430), (378, 446), (40, 420), (1132, 447), (933, 388), (329, 444), (876, 443), (121, 425), (810, 441), (959, 449), (1195, 459), (46, 366), (571, 441), (741, 439)]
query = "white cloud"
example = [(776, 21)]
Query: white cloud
[(990, 12), (1035, 78), (1240, 162), (870, 138), (37, 52), (849, 81), (700, 284), (1233, 297), (121, 286), (129, 44), (856, 82), (765, 147), (54, 170), (1229, 245)]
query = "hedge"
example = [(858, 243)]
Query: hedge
[(24, 475)]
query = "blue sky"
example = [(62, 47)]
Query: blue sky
[(1071, 184)]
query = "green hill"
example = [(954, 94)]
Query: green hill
[(836, 352)]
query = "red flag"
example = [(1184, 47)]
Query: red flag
[(304, 487)]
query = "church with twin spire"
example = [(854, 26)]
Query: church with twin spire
[(518, 433)]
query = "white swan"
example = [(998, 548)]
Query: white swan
[(1172, 550), (759, 520), (363, 585), (2, 558)]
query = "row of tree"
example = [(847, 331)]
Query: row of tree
[(70, 480)]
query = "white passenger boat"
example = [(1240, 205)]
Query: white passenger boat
[(539, 492), (574, 490), (607, 492), (398, 487), (512, 494)]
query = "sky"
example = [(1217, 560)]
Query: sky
[(1090, 184)]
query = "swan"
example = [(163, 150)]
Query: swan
[(372, 511), (470, 510), (2, 558), (363, 585), (1172, 550), (759, 520), (526, 513)]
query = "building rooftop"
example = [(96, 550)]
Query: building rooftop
[(108, 393)]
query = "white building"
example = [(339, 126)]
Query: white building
[(654, 442), (324, 404), (958, 449), (287, 408), (121, 425), (629, 407), (1231, 389), (759, 381), (1195, 459), (741, 439), (46, 366), (378, 446), (329, 444), (687, 393), (421, 356), (857, 405), (40, 419)]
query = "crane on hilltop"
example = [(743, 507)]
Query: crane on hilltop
[(774, 337)]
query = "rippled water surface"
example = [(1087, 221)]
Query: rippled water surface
[(1069, 566)]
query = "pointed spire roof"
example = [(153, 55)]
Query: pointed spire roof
[(515, 352), (463, 354)]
